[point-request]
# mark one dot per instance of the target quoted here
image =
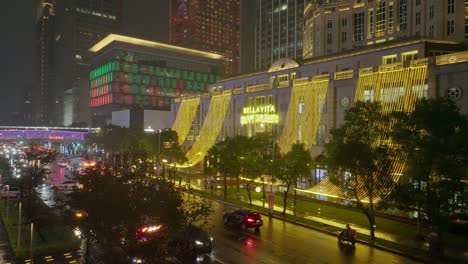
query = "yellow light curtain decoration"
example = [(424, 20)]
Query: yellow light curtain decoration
[(304, 112), (397, 89), (211, 127), (184, 120)]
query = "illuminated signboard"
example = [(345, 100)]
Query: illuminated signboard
[(265, 114)]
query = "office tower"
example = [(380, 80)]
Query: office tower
[(337, 26), (43, 93), (208, 25), (247, 36), (80, 25), (278, 31)]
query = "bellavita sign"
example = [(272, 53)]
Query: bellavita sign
[(265, 114)]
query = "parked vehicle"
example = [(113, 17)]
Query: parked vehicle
[(244, 219), (10, 192)]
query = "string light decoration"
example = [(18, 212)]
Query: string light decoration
[(397, 89), (184, 119), (304, 112), (211, 127)]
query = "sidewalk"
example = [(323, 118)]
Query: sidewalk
[(6, 255)]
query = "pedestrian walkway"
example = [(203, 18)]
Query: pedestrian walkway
[(6, 255)]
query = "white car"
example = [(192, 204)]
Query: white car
[(10, 192), (69, 185)]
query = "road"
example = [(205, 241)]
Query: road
[(277, 242), (283, 242)]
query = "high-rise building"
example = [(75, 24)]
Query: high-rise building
[(208, 25), (278, 31), (337, 26), (80, 25), (247, 36), (43, 93)]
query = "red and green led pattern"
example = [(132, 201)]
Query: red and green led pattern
[(152, 86)]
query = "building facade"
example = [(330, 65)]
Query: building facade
[(80, 25), (131, 73), (304, 102), (43, 94), (208, 25), (337, 26), (278, 31)]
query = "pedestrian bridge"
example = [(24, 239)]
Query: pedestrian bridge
[(45, 133)]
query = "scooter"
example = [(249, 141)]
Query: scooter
[(347, 236)]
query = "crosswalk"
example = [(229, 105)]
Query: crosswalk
[(65, 258)]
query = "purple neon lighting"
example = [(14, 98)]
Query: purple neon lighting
[(41, 134)]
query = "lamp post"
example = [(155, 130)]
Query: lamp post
[(158, 155)]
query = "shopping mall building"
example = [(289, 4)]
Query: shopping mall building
[(304, 101)]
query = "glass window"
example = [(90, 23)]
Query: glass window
[(408, 56), (418, 18), (329, 38), (390, 17), (321, 135), (450, 27), (451, 6), (403, 14), (344, 22), (389, 59), (466, 27), (381, 19), (343, 36), (329, 23), (369, 95), (358, 31), (370, 25)]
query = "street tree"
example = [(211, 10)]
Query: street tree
[(295, 165), (257, 155), (433, 138), (171, 151), (34, 175), (225, 158), (358, 158), (115, 211)]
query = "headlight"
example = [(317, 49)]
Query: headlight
[(198, 243)]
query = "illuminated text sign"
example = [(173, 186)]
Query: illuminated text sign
[(265, 114)]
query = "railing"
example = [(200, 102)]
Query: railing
[(366, 71), (452, 58), (259, 87), (238, 90), (391, 67), (341, 75)]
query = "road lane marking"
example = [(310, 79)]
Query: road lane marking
[(216, 259)]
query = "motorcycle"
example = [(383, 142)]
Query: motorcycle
[(347, 235)]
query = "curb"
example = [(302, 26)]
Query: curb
[(386, 249)]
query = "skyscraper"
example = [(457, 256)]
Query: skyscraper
[(278, 31), (43, 93), (337, 26), (208, 25), (66, 30)]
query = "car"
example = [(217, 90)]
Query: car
[(69, 185), (10, 192), (244, 219), (188, 245)]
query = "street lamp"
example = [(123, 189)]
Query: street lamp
[(153, 131)]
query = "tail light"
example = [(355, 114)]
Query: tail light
[(250, 220)]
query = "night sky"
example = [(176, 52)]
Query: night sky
[(146, 19)]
